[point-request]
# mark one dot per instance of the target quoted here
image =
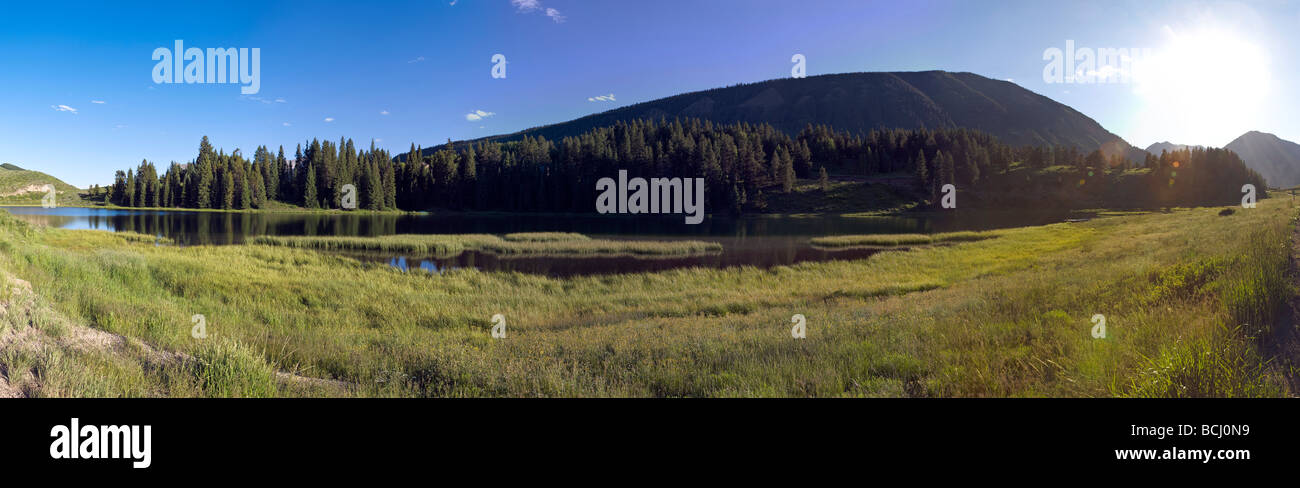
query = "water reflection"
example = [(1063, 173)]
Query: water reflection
[(761, 241), (790, 252)]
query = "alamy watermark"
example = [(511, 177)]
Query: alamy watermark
[(656, 196), (348, 197), (498, 66), (1085, 65), (50, 199), (74, 441), (200, 329), (800, 68), (1098, 326), (216, 65), (498, 326), (800, 329)]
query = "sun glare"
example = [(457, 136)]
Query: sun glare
[(1204, 86)]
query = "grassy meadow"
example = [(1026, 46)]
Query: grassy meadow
[(1190, 300)]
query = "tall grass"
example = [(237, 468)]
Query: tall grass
[(995, 317), (542, 243), (899, 239), (545, 237)]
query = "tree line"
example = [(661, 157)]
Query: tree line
[(743, 165)]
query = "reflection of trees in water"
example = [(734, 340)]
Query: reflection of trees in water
[(207, 228)]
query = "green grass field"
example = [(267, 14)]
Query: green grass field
[(1189, 299)]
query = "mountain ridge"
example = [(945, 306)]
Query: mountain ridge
[(860, 102)]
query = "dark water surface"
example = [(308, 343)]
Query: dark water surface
[(761, 241)]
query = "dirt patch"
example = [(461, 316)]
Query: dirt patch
[(8, 391), (20, 333), (25, 190)]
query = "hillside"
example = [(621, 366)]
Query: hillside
[(20, 186), (1276, 159), (859, 102)]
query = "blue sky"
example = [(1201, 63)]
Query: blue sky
[(405, 72)]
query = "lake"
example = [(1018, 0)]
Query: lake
[(760, 241)]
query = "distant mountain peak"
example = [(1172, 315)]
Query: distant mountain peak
[(1274, 158), (1163, 146)]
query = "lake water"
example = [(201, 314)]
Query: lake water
[(761, 241)]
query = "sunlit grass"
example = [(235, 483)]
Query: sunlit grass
[(545, 237), (900, 239), (1185, 295)]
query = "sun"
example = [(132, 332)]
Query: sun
[(1204, 86)]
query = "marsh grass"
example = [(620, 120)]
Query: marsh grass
[(529, 243), (545, 237), (886, 240), (1185, 294)]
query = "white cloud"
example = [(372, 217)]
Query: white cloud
[(602, 98), (329, 119), (529, 6), (97, 102), (266, 101), (383, 112), (377, 139), (416, 60), (526, 5), (286, 124), (63, 108), (478, 115)]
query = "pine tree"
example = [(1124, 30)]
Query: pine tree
[(390, 182), (243, 190), (937, 175), (823, 180), (203, 185), (309, 189), (970, 169), (292, 181), (129, 196), (226, 185), (140, 197), (949, 169), (468, 177), (258, 186), (919, 167), (787, 174), (373, 196), (273, 176), (803, 159)]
